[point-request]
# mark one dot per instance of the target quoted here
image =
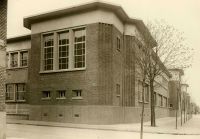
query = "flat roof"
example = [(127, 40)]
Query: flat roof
[(19, 38), (118, 10)]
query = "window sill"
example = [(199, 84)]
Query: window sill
[(21, 101), (45, 98), (13, 68), (77, 98), (65, 70), (61, 98), (10, 101), (144, 102)]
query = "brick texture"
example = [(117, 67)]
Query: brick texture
[(3, 25)]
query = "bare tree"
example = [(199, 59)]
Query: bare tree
[(169, 51)]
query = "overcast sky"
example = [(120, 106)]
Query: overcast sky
[(183, 14)]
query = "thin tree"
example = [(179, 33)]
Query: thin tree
[(170, 51), (142, 63)]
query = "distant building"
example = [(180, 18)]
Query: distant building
[(175, 95), (3, 32), (78, 65)]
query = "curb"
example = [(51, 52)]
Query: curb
[(93, 128)]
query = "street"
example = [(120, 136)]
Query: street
[(19, 131)]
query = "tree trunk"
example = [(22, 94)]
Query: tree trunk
[(142, 114), (153, 117)]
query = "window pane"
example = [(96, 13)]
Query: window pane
[(10, 92), (79, 48), (24, 58), (48, 51), (63, 39), (14, 60)]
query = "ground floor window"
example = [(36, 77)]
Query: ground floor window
[(46, 94), (15, 92), (61, 94)]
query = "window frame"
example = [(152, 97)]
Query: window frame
[(19, 65), (77, 96), (58, 94), (46, 98), (15, 92), (71, 50)]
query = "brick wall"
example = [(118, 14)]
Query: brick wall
[(3, 25)]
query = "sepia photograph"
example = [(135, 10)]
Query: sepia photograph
[(99, 69)]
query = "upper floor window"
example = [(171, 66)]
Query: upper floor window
[(63, 42), (48, 51), (64, 50), (17, 59), (14, 60), (24, 58), (79, 48)]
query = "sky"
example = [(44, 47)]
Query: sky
[(182, 14)]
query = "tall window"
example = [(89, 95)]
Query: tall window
[(146, 93), (24, 58), (63, 50), (14, 59), (155, 99), (10, 92), (118, 44), (48, 51), (160, 101), (140, 91), (118, 89), (79, 48), (20, 91)]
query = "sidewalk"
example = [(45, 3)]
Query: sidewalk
[(164, 126)]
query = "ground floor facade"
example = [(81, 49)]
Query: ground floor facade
[(90, 114)]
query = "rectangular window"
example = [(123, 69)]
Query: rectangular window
[(140, 91), (61, 94), (24, 58), (46, 94), (10, 92), (79, 48), (118, 44), (20, 91), (155, 99), (63, 43), (77, 93), (48, 51), (146, 93), (117, 89), (14, 60), (160, 101)]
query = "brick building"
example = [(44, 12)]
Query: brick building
[(78, 65), (175, 92), (3, 32)]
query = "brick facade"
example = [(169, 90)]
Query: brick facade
[(108, 82), (3, 32)]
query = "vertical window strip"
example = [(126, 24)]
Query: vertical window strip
[(48, 51), (23, 58), (14, 59), (63, 42), (79, 48)]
